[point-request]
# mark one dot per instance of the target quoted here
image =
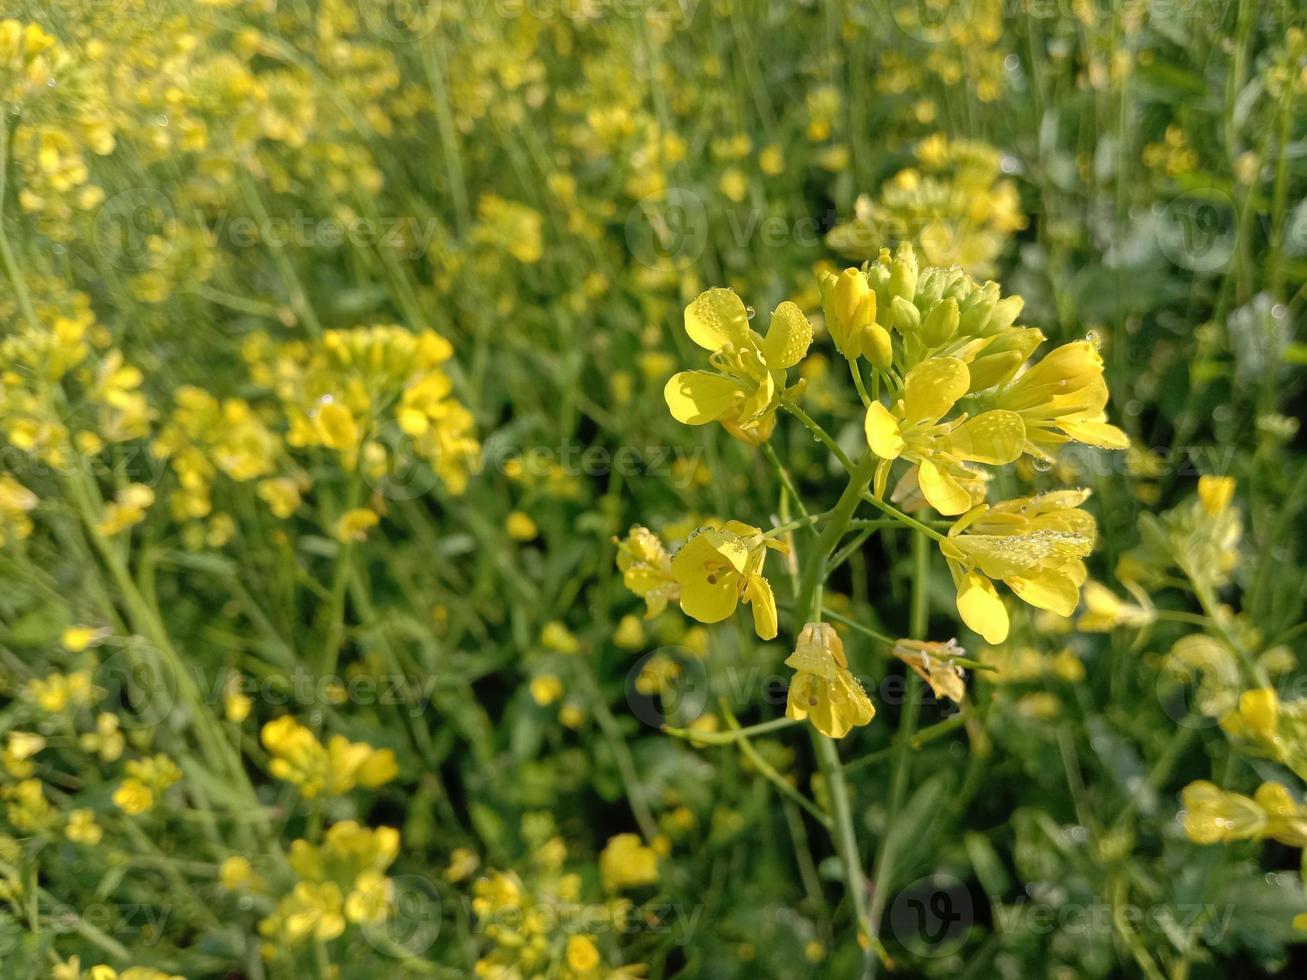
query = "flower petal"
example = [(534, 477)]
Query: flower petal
[(699, 397), (882, 430), (758, 593), (933, 387), (994, 438), (942, 491), (788, 337), (981, 608), (717, 317), (1099, 434), (1049, 588)]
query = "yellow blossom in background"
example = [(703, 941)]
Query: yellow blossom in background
[(353, 525), (627, 863), (557, 637), (1215, 493), (822, 689), (646, 569), (335, 768), (520, 527), (546, 689), (82, 828), (126, 509)]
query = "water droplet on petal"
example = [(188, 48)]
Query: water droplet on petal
[(749, 312)]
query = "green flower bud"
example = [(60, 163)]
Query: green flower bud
[(940, 323), (904, 317)]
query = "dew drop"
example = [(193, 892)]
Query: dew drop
[(1043, 465), (1011, 62), (749, 312), (162, 119), (1279, 311), (1095, 338)]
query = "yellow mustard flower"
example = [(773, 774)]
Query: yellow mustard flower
[(1034, 545), (744, 390), (520, 526), (849, 308), (823, 690), (126, 509), (1063, 398), (1104, 611), (1216, 816), (646, 569), (913, 431), (717, 567)]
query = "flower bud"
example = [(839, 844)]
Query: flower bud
[(940, 323), (904, 317), (878, 346), (903, 272)]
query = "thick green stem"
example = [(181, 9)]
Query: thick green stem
[(808, 609)]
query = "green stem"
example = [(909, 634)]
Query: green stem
[(821, 434), (734, 735), (808, 609), (769, 771), (902, 752)]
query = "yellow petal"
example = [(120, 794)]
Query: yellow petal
[(698, 397), (758, 594), (1048, 589), (981, 608), (933, 387), (788, 337), (994, 438), (1099, 434), (715, 318), (942, 491), (882, 430)]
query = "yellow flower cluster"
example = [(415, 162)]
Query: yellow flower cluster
[(542, 926), (954, 206), (340, 882), (146, 781), (332, 769), (353, 390)]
